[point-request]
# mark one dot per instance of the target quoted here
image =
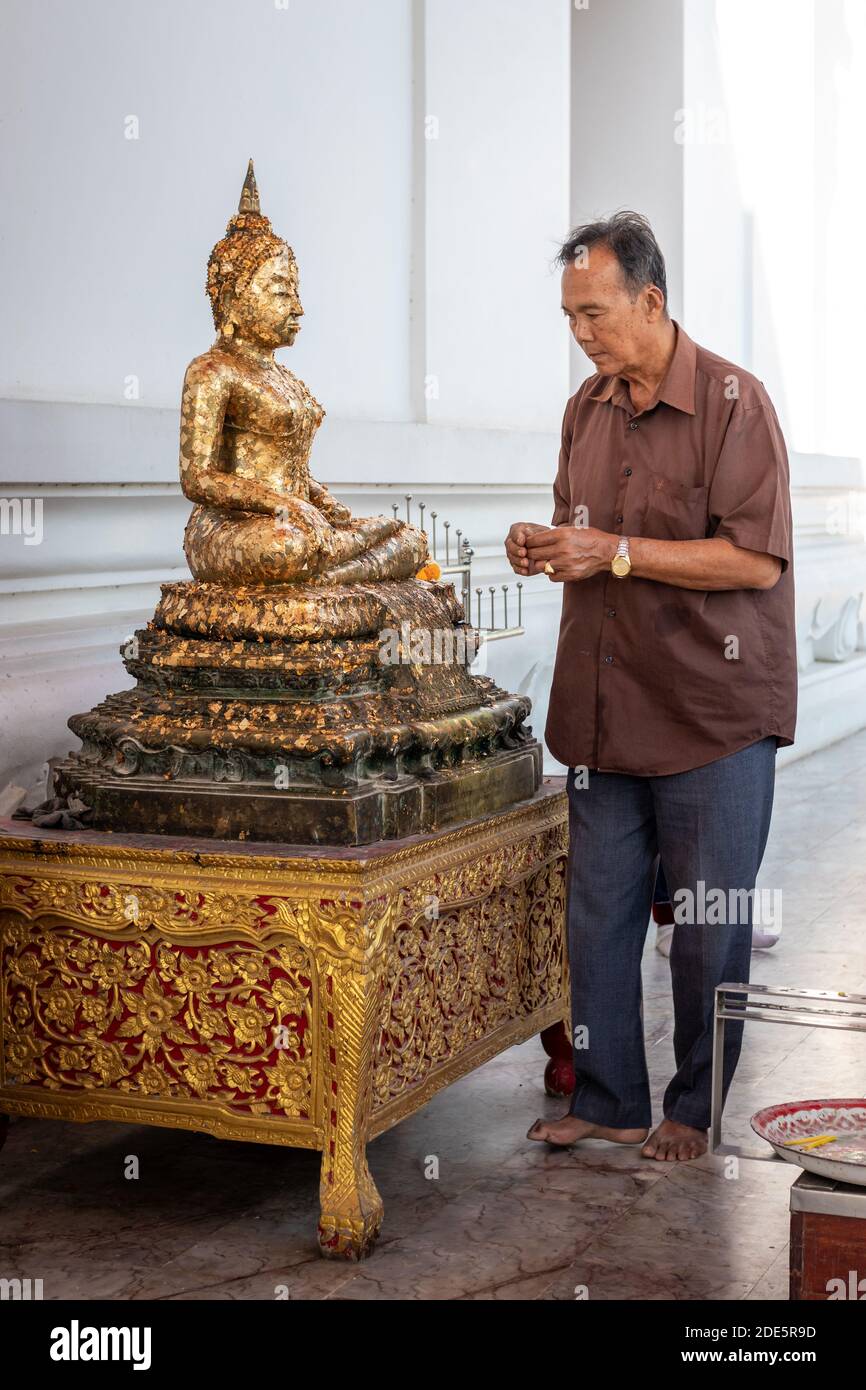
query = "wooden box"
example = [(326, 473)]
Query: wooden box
[(828, 1240)]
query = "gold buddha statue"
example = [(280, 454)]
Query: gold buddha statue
[(280, 694), (247, 427)]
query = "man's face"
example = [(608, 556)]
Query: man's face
[(610, 326)]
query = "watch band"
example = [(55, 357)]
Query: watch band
[(621, 562)]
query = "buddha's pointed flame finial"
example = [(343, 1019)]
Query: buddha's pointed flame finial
[(249, 193)]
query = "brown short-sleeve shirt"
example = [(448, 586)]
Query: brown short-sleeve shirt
[(652, 679)]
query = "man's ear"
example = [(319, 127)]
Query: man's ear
[(654, 301)]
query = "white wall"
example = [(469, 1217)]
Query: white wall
[(108, 237)]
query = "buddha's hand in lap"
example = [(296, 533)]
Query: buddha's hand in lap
[(333, 511), (294, 512)]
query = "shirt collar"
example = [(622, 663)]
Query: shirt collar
[(676, 389)]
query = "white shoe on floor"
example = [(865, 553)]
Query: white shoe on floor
[(664, 937), (763, 938)]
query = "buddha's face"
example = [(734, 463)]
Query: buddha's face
[(267, 310)]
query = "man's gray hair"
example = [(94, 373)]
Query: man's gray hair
[(632, 240)]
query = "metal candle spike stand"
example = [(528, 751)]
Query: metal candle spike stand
[(462, 566), (822, 1009)]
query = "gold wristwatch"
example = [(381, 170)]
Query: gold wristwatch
[(620, 565)]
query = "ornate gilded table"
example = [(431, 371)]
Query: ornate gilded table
[(305, 997)]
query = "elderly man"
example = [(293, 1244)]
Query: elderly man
[(675, 678)]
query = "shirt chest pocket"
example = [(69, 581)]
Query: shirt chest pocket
[(673, 511)]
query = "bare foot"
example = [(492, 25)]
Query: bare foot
[(560, 1134), (672, 1141)]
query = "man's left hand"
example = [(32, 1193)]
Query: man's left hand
[(574, 552)]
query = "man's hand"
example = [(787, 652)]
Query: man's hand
[(515, 545), (571, 552)]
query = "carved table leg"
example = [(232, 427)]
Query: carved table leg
[(351, 1206), (559, 1072)]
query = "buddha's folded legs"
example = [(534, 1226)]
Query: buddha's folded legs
[(398, 556), (365, 532), (232, 547)]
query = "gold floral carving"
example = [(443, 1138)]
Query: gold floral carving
[(456, 974), (228, 1024)]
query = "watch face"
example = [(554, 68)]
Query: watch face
[(620, 564)]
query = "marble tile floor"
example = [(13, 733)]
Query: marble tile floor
[(504, 1218)]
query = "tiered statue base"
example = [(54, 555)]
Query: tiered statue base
[(309, 714), (310, 998)]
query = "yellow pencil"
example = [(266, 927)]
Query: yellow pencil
[(814, 1143)]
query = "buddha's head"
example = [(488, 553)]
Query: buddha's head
[(252, 278)]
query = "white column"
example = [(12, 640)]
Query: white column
[(627, 93), (496, 191)]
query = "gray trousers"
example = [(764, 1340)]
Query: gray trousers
[(710, 827)]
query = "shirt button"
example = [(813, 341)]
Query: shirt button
[(608, 660), (628, 472), (619, 520), (632, 424), (611, 612)]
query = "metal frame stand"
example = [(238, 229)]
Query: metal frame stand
[(461, 570), (824, 1009)]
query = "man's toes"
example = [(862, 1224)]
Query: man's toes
[(672, 1148), (686, 1148)]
